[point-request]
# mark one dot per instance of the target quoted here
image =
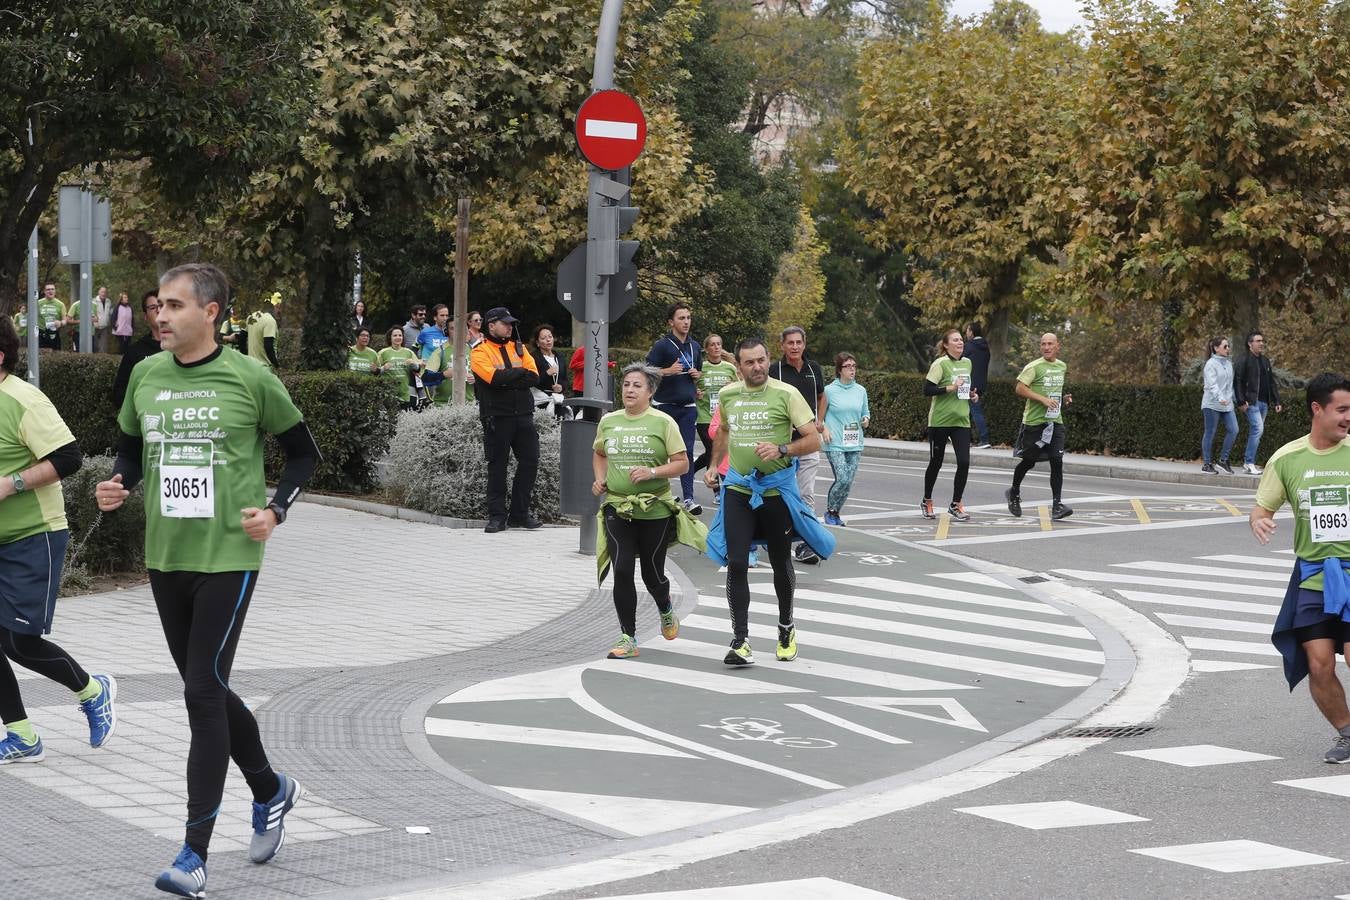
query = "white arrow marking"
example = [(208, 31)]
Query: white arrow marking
[(845, 723), (619, 131), (959, 715)]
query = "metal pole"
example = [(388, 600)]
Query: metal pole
[(87, 271), (461, 336), (31, 315)]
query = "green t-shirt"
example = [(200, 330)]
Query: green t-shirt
[(363, 361), (21, 324), (30, 428), (261, 325), (402, 359), (949, 410), (203, 428), (647, 440), (51, 313), (713, 377), (1047, 379), (1316, 483), (761, 415)]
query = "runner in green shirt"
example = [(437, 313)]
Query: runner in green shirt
[(948, 384), (717, 372), (759, 418), (51, 316), (638, 450), (1312, 475), (1041, 384), (398, 363), (261, 334), (193, 424), (21, 321), (360, 358)]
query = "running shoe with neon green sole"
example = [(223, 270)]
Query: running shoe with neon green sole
[(624, 648), (670, 626), (786, 651), (740, 654)]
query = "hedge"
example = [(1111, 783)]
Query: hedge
[(352, 416), (118, 543)]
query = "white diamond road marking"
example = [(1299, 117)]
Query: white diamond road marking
[(139, 778), (1235, 856), (1338, 785), (1197, 755), (812, 888), (1051, 814)]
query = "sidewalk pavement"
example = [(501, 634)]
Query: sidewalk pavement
[(1159, 470)]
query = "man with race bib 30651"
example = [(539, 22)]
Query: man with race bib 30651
[(1312, 475), (1041, 384), (193, 424), (760, 500)]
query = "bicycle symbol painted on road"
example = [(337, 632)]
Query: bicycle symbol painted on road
[(750, 728), (871, 559)]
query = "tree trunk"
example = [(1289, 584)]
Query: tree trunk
[(1169, 342), (1005, 294), (1246, 312), (327, 332), (11, 266)]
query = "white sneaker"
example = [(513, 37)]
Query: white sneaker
[(1252, 469)]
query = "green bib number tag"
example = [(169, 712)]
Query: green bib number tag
[(187, 487)]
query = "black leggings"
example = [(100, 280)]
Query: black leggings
[(1029, 460), (937, 448), (773, 523), (706, 456), (202, 616), (39, 655), (634, 541)]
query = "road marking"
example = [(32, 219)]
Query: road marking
[(1199, 643), (1223, 665), (931, 592), (1235, 856), (1197, 755), (1051, 814), (930, 633), (1153, 565), (1252, 561), (815, 888), (821, 669), (1216, 624), (1044, 512), (957, 715), (1094, 531), (944, 526), (638, 816), (1337, 785), (972, 578), (546, 737), (1185, 585), (934, 612), (901, 652), (840, 722), (718, 682), (1237, 606), (551, 684), (1228, 506), (1140, 512)]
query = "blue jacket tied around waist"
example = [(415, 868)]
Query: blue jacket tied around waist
[(804, 524), (1335, 602)]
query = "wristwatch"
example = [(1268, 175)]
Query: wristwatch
[(783, 450), (19, 486), (277, 511)]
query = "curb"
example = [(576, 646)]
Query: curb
[(399, 512), (1075, 464)]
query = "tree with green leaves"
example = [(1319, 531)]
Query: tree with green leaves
[(1211, 163), (202, 91), (960, 152)]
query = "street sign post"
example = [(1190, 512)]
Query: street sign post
[(84, 237)]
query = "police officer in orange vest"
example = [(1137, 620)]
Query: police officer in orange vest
[(505, 372)]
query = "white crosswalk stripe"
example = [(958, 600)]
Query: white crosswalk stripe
[(1178, 583), (1152, 565)]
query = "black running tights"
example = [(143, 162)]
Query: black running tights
[(773, 523), (1029, 460), (937, 449), (39, 655), (706, 455), (202, 616), (632, 542)]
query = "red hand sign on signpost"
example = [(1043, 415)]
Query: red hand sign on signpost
[(611, 130)]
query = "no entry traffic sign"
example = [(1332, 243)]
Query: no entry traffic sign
[(611, 129)]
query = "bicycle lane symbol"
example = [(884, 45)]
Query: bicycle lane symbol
[(751, 728), (871, 559)]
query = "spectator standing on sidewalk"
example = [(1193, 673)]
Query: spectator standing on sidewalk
[(1041, 384), (1310, 475), (146, 345), (505, 373), (123, 322), (1216, 404), (262, 333), (473, 330), (846, 416), (1256, 392), (102, 308), (549, 393), (359, 317), (37, 450), (412, 329), (977, 351), (679, 358), (796, 371)]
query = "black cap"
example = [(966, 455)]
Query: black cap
[(500, 314)]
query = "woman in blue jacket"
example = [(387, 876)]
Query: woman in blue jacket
[(846, 416)]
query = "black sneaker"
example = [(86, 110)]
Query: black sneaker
[(1060, 511), (529, 522), (1208, 469), (1225, 468), (1014, 502), (495, 525), (804, 554)]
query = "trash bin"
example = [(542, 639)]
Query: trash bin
[(578, 447)]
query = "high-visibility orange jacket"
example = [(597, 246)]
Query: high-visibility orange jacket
[(504, 371)]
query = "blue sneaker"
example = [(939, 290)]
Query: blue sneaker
[(269, 820), (13, 749), (832, 518), (186, 877), (100, 713)]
